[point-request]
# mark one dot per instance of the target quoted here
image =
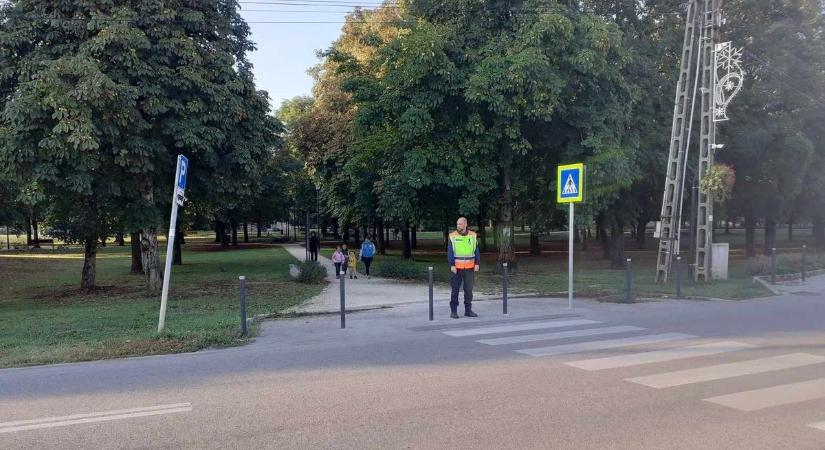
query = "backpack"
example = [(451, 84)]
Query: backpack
[(368, 250)]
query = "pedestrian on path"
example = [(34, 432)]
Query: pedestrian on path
[(367, 253), (314, 245), (353, 265), (338, 259), (345, 252), (465, 261)]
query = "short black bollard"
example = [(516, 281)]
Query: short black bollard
[(678, 277), (629, 286), (244, 330), (804, 260), (504, 282), (430, 278), (773, 266), (343, 303)]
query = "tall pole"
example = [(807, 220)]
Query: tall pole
[(170, 248), (570, 258)]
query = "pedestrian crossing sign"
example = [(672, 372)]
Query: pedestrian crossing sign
[(570, 183)]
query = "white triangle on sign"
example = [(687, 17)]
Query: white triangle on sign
[(570, 187)]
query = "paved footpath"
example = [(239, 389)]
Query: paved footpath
[(364, 293)]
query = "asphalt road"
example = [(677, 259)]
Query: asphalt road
[(660, 375)]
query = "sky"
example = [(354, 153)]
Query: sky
[(286, 50)]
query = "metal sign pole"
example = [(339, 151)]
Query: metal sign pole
[(570, 258), (170, 241)]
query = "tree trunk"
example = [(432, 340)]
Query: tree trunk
[(335, 234), (727, 226), (585, 233), (535, 245), (357, 235), (482, 233), (36, 234), (346, 233), (234, 225), (750, 236), (218, 231), (790, 230), (617, 259), (405, 238), (28, 231), (819, 233), (382, 243), (177, 256), (641, 228), (387, 236), (601, 234), (120, 239), (446, 232), (770, 236), (245, 232), (414, 237), (137, 258), (151, 259), (505, 220), (258, 226), (89, 274)]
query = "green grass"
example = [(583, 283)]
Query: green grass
[(46, 318)]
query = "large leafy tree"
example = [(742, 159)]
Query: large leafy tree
[(100, 97)]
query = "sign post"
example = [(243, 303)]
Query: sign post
[(570, 189), (181, 172)]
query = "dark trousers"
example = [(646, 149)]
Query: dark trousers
[(313, 255), (367, 261), (467, 278), (338, 269)]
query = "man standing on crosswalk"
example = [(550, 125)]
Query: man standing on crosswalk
[(465, 260)]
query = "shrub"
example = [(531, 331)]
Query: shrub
[(311, 272), (401, 269), (759, 265)]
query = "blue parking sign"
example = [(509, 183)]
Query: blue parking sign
[(183, 171)]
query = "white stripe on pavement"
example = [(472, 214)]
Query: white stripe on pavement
[(60, 421), (773, 396), (519, 327), (670, 354), (602, 345), (818, 425), (559, 335), (729, 370)]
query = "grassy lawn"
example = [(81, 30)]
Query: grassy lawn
[(45, 318)]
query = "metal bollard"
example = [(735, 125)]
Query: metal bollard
[(343, 303), (678, 277), (773, 266), (804, 260), (629, 285), (430, 278), (244, 330), (505, 281)]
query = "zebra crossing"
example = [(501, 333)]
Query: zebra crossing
[(586, 336)]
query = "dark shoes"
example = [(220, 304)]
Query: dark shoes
[(454, 315), (470, 313)]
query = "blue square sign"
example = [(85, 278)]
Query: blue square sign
[(183, 171), (570, 183)]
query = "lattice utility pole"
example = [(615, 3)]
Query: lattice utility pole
[(698, 69)]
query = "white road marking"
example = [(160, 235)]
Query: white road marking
[(669, 354), (602, 345), (818, 425), (103, 416), (773, 396), (519, 327), (559, 335), (730, 370)]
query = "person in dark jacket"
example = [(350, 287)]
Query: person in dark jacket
[(314, 245)]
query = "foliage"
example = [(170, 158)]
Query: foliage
[(311, 272), (401, 270), (718, 182)]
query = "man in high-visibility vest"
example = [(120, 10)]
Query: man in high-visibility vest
[(465, 260)]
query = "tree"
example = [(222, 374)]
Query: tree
[(100, 98)]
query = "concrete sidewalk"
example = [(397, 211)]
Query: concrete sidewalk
[(813, 285), (363, 293)]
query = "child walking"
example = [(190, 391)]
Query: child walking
[(338, 259), (353, 265)]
